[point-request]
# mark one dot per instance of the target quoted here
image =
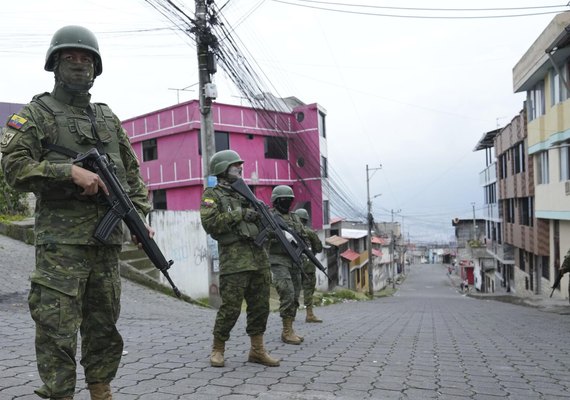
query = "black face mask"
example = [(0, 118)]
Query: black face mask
[(283, 204)]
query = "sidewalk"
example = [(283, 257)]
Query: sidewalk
[(544, 303)]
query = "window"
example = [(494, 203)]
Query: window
[(558, 92), (324, 167), (525, 210), (326, 212), (275, 147), (222, 141), (322, 125), (535, 101), (502, 166), (518, 159), (490, 193), (510, 211), (150, 150), (542, 167), (565, 162), (159, 199)]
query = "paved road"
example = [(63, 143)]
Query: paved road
[(427, 342)]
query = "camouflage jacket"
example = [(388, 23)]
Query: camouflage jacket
[(277, 255), (62, 214), (221, 213)]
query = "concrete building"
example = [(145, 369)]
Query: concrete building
[(543, 74), (278, 147), (516, 239)]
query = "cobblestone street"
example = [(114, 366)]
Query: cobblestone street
[(429, 341)]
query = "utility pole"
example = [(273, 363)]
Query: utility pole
[(392, 245), (370, 222), (474, 229), (206, 42)]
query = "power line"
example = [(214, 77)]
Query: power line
[(417, 16)]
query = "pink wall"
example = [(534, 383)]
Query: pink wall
[(178, 167)]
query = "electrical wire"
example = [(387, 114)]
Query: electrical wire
[(419, 16)]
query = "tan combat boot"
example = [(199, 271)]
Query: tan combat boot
[(288, 335), (257, 353), (311, 317), (217, 357), (100, 391)]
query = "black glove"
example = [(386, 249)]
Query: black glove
[(250, 215)]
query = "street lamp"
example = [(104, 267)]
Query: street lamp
[(370, 219)]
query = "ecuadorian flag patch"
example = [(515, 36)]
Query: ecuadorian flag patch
[(208, 202), (16, 121)]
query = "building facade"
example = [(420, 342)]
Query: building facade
[(526, 235), (543, 74), (279, 148)]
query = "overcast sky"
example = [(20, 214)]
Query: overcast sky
[(413, 95)]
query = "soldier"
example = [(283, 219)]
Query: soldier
[(565, 267), (286, 275), (76, 284), (244, 267), (309, 279)]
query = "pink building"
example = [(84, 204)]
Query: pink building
[(279, 148)]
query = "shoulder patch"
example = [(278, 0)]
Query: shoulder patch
[(16, 121), (207, 202), (7, 137)]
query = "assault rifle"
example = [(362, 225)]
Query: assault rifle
[(556, 284), (122, 208), (274, 224)]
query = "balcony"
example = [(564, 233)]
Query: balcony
[(488, 175), (504, 252)]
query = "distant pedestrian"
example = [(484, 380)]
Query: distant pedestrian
[(244, 266), (76, 285), (466, 285), (309, 279)]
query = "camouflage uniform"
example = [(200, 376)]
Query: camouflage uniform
[(76, 283), (565, 267), (286, 275), (310, 278), (244, 267)]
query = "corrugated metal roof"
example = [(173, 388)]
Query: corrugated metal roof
[(335, 220), (378, 240), (350, 255), (335, 240), (377, 253)]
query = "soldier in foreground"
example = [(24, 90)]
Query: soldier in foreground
[(76, 284), (244, 267), (286, 275), (309, 279)]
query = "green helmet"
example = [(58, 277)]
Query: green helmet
[(220, 161), (73, 37), (281, 191), (302, 213)]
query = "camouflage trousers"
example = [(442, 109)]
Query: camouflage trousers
[(287, 282), (309, 283), (75, 288), (253, 286)]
